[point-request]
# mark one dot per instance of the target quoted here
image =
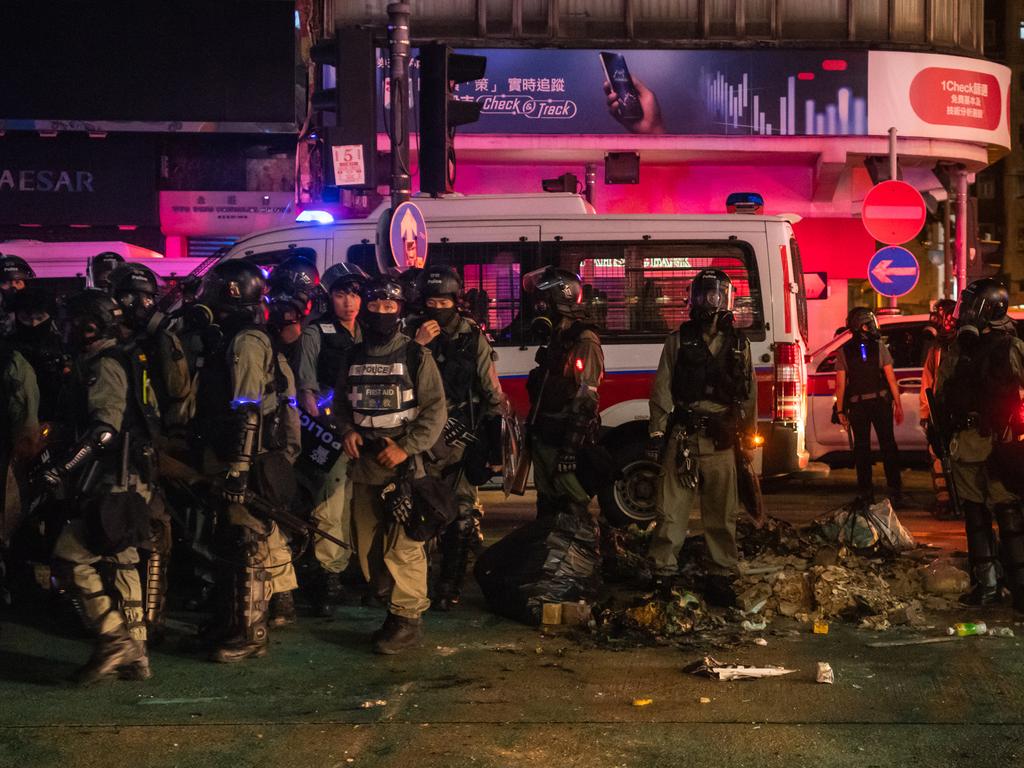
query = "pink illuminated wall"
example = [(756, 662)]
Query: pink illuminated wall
[(829, 241)]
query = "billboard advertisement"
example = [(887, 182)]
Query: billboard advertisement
[(734, 93)]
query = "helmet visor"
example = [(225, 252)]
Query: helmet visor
[(713, 294)]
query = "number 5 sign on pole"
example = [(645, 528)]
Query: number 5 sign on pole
[(349, 170)]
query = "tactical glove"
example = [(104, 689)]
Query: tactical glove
[(235, 486), (566, 463)]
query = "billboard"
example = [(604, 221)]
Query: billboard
[(731, 93)]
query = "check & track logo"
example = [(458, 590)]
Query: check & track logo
[(528, 106)]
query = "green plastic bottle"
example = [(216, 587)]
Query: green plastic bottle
[(967, 628)]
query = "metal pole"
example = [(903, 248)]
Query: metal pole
[(590, 182), (893, 302), (948, 272), (961, 230), (398, 40)]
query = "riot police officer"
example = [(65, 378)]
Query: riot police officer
[(19, 438), (15, 274), (294, 283), (564, 416), (249, 434), (942, 326), (702, 400), (393, 409), (325, 343), (110, 468), (867, 396), (135, 288), (99, 269), (979, 383), (36, 336), (474, 399)]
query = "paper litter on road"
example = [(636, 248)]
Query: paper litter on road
[(709, 667)]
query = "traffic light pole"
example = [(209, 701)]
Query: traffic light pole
[(961, 230), (398, 42)]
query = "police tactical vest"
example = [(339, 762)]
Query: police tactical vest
[(52, 367), (864, 373), (999, 401), (456, 358), (335, 344), (700, 375), (382, 388), (552, 395), (216, 421)]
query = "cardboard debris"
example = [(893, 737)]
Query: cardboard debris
[(941, 577), (716, 670)]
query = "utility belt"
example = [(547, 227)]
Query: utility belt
[(867, 397), (554, 429), (719, 428)]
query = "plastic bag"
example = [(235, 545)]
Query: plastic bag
[(864, 528), (550, 560)]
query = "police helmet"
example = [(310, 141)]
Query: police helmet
[(134, 287), (861, 318), (382, 288), (97, 272), (555, 289), (285, 309), (344, 276), (34, 299), (15, 268), (441, 282), (982, 303), (295, 276), (91, 315), (711, 291), (233, 284), (941, 317)]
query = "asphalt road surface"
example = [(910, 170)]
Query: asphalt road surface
[(484, 691)]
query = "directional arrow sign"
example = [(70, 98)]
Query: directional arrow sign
[(893, 212), (408, 236), (815, 285), (893, 271)]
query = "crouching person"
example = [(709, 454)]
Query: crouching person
[(109, 470), (390, 406)]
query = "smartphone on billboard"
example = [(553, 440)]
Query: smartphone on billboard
[(617, 74)]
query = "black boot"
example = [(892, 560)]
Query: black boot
[(112, 652), (718, 591), (1011, 535), (455, 546), (398, 635), (981, 554), (329, 594), (249, 637), (282, 610)]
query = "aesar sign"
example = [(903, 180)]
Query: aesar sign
[(27, 180)]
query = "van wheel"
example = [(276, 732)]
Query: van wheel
[(631, 499)]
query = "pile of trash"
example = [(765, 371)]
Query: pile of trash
[(854, 566)]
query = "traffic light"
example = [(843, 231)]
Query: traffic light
[(345, 100), (441, 111)]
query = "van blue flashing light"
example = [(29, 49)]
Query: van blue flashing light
[(744, 202), (320, 217)]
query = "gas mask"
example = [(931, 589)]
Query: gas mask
[(442, 316), (380, 327)]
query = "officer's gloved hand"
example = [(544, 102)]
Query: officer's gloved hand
[(235, 486), (50, 476), (655, 445), (566, 462)]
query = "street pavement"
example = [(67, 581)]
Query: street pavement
[(484, 691)]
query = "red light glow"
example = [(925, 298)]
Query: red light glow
[(805, 76), (579, 365), (834, 65)]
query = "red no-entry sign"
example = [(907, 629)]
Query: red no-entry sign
[(893, 212)]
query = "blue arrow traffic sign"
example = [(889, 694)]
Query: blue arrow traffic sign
[(408, 235), (893, 271)]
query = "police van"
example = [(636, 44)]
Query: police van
[(636, 272)]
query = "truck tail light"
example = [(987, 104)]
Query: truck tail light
[(789, 382)]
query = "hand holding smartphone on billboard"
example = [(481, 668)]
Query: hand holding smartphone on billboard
[(630, 102)]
